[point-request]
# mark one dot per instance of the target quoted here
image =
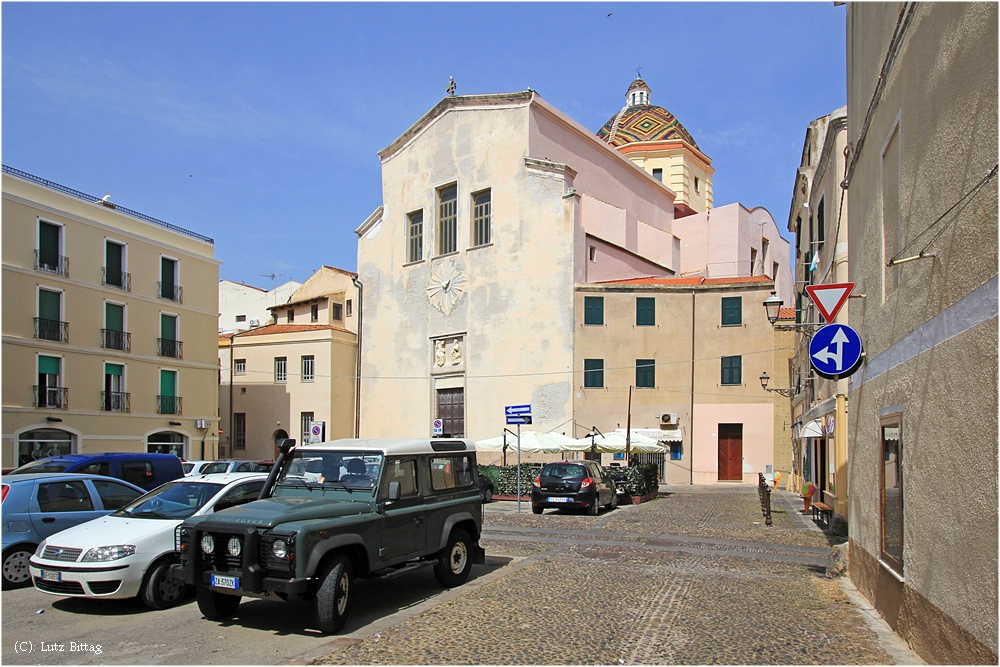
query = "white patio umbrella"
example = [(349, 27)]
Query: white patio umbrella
[(532, 442), (615, 442)]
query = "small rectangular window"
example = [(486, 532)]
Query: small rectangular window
[(658, 174), (448, 220), (593, 253), (593, 310), (239, 430), (696, 184), (415, 236), (645, 311), (240, 366), (338, 311), (732, 370), (308, 368), (280, 369), (593, 372), (482, 218), (314, 313), (350, 309), (291, 315), (645, 373), (732, 310), (676, 451), (891, 474), (241, 318)]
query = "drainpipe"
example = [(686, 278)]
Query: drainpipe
[(357, 388), (232, 338), (691, 428)]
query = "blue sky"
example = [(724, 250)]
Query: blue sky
[(258, 124)]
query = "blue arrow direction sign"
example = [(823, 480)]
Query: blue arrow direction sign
[(835, 351), (518, 419), (517, 410)]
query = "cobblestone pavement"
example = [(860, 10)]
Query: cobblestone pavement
[(690, 578)]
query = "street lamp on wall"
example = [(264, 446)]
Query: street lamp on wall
[(786, 392), (772, 305)]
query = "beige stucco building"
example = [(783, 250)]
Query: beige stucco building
[(818, 218), (691, 350), (922, 424), (109, 328), (299, 368), (243, 306)]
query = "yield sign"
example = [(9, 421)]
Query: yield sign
[(829, 299)]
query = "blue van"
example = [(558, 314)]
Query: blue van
[(147, 471)]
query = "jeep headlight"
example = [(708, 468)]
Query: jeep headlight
[(101, 554), (207, 544), (279, 549), (233, 546)]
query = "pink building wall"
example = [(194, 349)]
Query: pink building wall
[(758, 438)]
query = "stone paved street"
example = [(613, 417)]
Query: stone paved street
[(694, 577)]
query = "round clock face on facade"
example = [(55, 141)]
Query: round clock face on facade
[(446, 287)]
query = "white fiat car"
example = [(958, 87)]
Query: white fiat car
[(130, 552)]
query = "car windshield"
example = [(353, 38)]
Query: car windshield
[(173, 500), (331, 470), (564, 471), (42, 465)]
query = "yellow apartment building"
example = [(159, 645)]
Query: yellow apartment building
[(109, 326)]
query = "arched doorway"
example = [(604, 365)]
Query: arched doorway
[(43, 443), (166, 442), (280, 434)]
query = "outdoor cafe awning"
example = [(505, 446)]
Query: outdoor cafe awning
[(812, 429)]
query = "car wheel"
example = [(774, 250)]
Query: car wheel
[(535, 509), (15, 566), (488, 495), (334, 595), (455, 560), (595, 507), (614, 500), (214, 606), (161, 589)]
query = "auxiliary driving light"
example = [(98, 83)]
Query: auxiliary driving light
[(234, 546), (207, 544)]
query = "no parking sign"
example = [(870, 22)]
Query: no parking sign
[(316, 432)]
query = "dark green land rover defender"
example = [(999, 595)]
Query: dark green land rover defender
[(330, 512)]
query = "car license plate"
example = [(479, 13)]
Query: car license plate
[(225, 582), (558, 500), (52, 576)]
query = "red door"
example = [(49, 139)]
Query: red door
[(731, 452)]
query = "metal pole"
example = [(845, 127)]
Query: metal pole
[(518, 468)]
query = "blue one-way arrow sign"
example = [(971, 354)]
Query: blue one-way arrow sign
[(517, 410)]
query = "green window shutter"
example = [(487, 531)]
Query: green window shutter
[(114, 317), (593, 372), (593, 310), (168, 383), (168, 327), (114, 262), (48, 244), (732, 310), (645, 372), (167, 275), (113, 369), (48, 305), (645, 311), (732, 370), (48, 365)]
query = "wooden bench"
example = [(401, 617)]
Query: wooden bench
[(822, 513)]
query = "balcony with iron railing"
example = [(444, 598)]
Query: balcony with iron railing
[(170, 348), (117, 279), (116, 340), (51, 330), (116, 401), (168, 405), (170, 292), (51, 397), (56, 264)]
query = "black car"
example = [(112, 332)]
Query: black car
[(578, 484), (486, 488)]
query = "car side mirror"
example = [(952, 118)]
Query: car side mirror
[(393, 490)]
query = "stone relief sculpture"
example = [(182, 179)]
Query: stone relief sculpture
[(446, 287), (456, 352), (439, 353)]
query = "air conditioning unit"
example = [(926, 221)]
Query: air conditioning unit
[(668, 419), (201, 423)]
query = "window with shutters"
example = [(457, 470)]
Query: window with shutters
[(482, 218), (168, 344), (49, 254), (308, 368), (49, 324), (732, 370), (48, 392), (593, 310), (645, 373), (448, 220), (115, 272), (732, 311), (415, 236), (645, 311), (169, 401), (169, 280), (281, 369), (114, 336), (114, 397), (593, 372)]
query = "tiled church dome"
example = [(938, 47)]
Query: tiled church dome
[(641, 121)]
